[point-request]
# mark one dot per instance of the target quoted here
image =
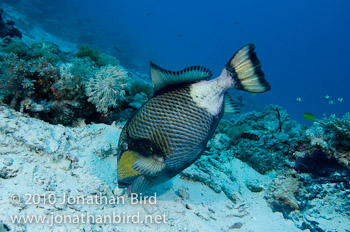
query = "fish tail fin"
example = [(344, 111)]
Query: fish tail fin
[(245, 70)]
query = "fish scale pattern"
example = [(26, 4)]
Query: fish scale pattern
[(175, 124)]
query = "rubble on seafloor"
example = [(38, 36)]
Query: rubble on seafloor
[(301, 180), (311, 183), (45, 160)]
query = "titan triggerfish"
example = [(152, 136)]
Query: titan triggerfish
[(170, 131)]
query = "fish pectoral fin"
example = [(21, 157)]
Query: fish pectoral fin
[(230, 107), (162, 77), (148, 166)]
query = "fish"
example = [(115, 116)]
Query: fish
[(172, 129), (310, 117)]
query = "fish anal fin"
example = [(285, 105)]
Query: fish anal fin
[(230, 107), (162, 77)]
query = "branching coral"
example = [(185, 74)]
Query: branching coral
[(46, 83), (65, 71), (99, 58), (13, 81), (316, 136), (66, 86), (108, 87), (340, 126), (260, 140), (14, 45), (333, 137), (39, 79)]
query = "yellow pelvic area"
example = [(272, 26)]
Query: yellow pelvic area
[(124, 165)]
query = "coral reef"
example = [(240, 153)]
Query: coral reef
[(282, 193), (14, 81), (332, 136), (309, 181), (66, 88), (139, 99), (265, 140), (308, 191), (259, 166), (39, 158), (108, 87), (96, 56)]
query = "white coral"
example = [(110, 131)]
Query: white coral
[(316, 135), (107, 88), (65, 71)]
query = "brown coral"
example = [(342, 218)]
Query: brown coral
[(343, 158), (13, 78), (282, 191)]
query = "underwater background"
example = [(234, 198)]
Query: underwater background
[(283, 164), (303, 45)]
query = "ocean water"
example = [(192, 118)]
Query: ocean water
[(268, 165), (303, 45)]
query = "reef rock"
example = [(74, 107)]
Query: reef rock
[(39, 159)]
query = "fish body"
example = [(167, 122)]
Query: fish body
[(310, 117), (169, 132)]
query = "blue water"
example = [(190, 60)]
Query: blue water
[(303, 45)]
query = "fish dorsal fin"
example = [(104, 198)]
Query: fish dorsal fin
[(162, 77), (148, 166), (230, 107)]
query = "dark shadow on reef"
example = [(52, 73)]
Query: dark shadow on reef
[(7, 28), (319, 165)]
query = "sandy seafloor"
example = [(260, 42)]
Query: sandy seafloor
[(49, 159)]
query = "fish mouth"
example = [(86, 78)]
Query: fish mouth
[(123, 184)]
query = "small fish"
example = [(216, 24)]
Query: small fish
[(299, 99), (340, 99), (31, 106), (170, 131), (310, 117), (117, 49), (327, 96), (331, 102)]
